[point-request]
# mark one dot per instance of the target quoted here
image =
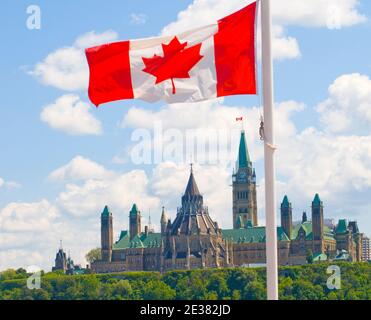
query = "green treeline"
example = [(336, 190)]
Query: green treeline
[(299, 282)]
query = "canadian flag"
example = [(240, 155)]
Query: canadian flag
[(208, 62)]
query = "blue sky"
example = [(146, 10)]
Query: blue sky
[(31, 149)]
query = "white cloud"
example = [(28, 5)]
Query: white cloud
[(9, 184), (316, 162), (80, 168), (138, 18), (333, 14), (66, 68), (283, 47), (348, 107), (20, 217), (92, 38), (119, 192), (18, 258), (13, 185), (317, 13), (71, 115), (205, 132), (34, 247)]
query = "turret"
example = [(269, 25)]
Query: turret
[(163, 221), (135, 223), (317, 218), (286, 216), (106, 234), (304, 217)]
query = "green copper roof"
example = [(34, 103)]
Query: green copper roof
[(106, 212), (134, 210), (341, 227), (307, 227), (151, 240), (243, 153), (123, 234), (249, 235), (316, 201), (285, 202)]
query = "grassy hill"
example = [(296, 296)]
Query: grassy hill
[(299, 282)]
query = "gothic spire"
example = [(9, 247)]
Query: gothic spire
[(243, 160), (304, 218), (192, 189), (106, 212), (285, 202), (163, 216), (316, 201), (134, 210)]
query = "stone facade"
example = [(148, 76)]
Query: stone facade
[(194, 240), (366, 248)]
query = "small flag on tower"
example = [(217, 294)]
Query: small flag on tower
[(239, 119)]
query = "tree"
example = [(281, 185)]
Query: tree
[(255, 290), (8, 274), (218, 284), (236, 295), (156, 290), (93, 255), (120, 290)]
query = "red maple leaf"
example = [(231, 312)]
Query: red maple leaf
[(176, 62)]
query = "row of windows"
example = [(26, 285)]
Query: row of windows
[(242, 195)]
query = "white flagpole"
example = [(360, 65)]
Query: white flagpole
[(270, 197)]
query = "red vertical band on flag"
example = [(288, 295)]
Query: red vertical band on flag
[(235, 53), (110, 76)]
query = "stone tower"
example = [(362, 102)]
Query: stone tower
[(244, 188), (317, 218), (286, 216), (106, 234), (135, 225), (304, 217), (60, 260)]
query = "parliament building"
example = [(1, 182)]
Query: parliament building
[(194, 240)]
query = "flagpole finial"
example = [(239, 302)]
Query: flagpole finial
[(191, 165), (242, 126)]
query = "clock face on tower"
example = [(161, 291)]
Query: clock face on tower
[(242, 177)]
